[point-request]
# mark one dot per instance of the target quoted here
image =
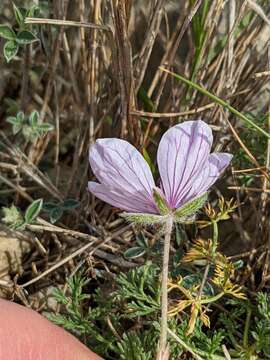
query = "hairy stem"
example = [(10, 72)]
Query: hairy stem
[(164, 290)]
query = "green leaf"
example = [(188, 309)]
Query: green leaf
[(18, 15), (10, 50), (16, 128), (191, 207), (238, 264), (20, 116), (17, 122), (69, 204), (161, 203), (134, 252), (142, 241), (219, 101), (33, 210), (45, 127), (49, 206), (33, 118), (180, 235), (56, 214), (7, 32), (25, 37), (148, 103), (60, 296), (33, 11), (145, 219), (12, 120), (149, 161)]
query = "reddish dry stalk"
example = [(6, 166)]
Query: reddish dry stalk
[(125, 68)]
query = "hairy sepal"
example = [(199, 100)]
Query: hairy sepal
[(161, 203), (145, 219), (188, 211)]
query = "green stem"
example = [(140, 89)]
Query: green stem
[(246, 330), (235, 344), (164, 290), (218, 101)]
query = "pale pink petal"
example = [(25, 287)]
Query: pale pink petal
[(216, 164), (117, 198), (182, 154), (119, 165)]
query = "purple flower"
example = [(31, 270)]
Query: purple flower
[(186, 167)]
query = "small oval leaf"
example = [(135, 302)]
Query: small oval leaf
[(10, 50), (7, 32), (33, 210), (20, 116), (142, 241), (45, 127), (12, 120), (56, 214), (25, 37), (33, 118), (134, 252), (238, 264), (70, 204), (49, 206)]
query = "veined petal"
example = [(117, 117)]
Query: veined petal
[(118, 199), (216, 164), (119, 165), (182, 154)]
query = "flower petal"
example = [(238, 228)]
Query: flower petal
[(216, 164), (119, 166), (118, 199), (182, 154)]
